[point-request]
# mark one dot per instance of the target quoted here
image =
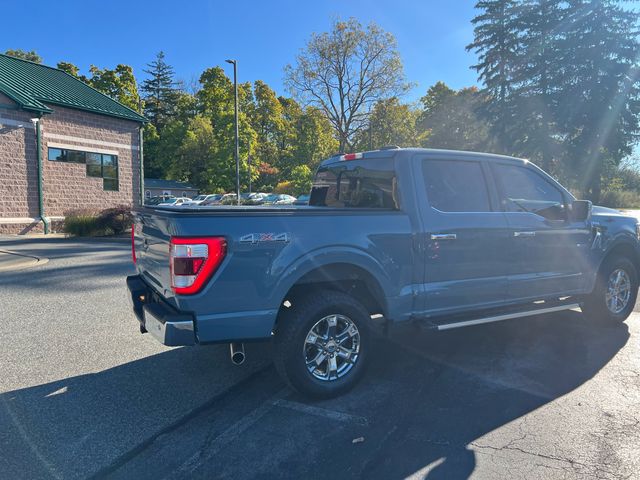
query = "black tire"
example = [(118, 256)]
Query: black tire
[(595, 307), (292, 350)]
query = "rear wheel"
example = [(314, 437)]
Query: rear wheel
[(322, 344), (615, 293)]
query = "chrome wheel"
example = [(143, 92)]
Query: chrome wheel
[(332, 347), (618, 291)]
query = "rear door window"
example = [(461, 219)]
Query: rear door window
[(456, 186), (356, 185)]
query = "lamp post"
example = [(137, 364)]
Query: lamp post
[(235, 89)]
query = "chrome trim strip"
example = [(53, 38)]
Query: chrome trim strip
[(524, 234), (508, 316)]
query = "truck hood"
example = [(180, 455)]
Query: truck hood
[(613, 219)]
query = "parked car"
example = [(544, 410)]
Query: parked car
[(175, 201), (278, 199), (158, 199), (200, 199), (213, 200), (229, 199), (302, 200), (438, 238), (256, 198)]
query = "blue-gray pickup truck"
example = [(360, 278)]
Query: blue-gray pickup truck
[(443, 238)]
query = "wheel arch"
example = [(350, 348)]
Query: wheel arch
[(623, 248), (350, 278)]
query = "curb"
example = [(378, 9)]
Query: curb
[(19, 261)]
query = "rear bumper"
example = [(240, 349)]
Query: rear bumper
[(169, 326)]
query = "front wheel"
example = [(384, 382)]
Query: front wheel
[(615, 293), (322, 344)]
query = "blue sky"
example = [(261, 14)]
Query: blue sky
[(263, 35)]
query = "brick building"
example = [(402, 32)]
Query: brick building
[(90, 154)]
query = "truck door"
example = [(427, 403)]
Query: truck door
[(548, 252), (465, 237)]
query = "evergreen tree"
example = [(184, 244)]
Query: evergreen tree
[(601, 98), (159, 92), (537, 81), (496, 42)]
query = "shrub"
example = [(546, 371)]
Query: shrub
[(87, 222), (284, 187), (115, 220), (81, 223), (620, 199)]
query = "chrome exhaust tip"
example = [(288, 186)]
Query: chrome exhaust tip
[(237, 353)]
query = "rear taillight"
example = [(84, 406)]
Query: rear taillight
[(133, 243), (193, 261)]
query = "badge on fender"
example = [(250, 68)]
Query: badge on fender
[(265, 237)]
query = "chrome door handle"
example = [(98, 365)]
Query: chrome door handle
[(524, 234), (443, 236)]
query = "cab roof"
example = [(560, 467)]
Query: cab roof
[(433, 153)]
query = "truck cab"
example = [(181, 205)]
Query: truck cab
[(441, 238)]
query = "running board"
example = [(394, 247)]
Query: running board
[(507, 316)]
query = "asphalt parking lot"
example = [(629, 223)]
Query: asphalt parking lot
[(84, 395)]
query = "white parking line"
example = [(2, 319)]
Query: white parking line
[(321, 412)]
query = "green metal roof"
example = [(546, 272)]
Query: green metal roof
[(31, 85)]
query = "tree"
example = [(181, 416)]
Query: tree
[(537, 82), (450, 119), (120, 84), (72, 70), (496, 41), (601, 89), (301, 180), (159, 91), (390, 123), (344, 72), (32, 56), (215, 102)]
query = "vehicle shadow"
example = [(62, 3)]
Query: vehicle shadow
[(73, 427), (454, 387), (426, 399)]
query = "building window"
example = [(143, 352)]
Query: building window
[(99, 165)]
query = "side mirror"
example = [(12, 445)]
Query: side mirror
[(580, 210)]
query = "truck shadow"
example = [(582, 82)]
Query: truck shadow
[(426, 399)]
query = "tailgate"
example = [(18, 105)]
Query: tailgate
[(151, 244)]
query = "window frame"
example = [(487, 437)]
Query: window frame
[(540, 173), (488, 183), (85, 154), (342, 168)]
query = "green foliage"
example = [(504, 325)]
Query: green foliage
[(119, 83), (450, 119), (301, 180), (159, 92), (390, 123), (115, 220), (285, 187), (344, 72), (32, 56), (561, 83), (620, 198), (71, 69), (81, 223), (87, 222)]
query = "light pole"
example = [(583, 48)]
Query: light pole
[(235, 89)]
